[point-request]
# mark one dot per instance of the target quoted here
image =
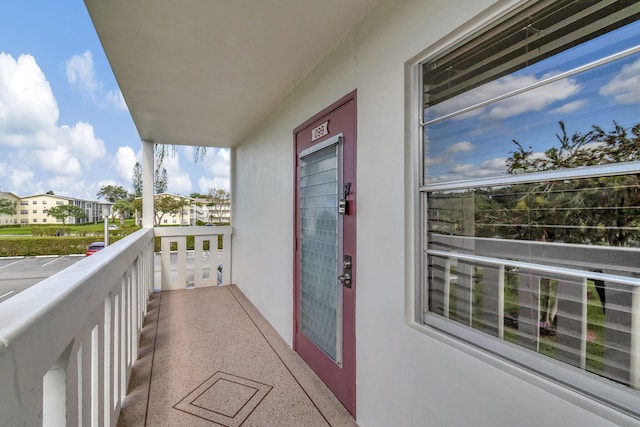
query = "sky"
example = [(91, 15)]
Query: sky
[(477, 144), (64, 125)]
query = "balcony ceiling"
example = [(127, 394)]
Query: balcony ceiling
[(207, 72)]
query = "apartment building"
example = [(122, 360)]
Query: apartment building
[(194, 210), (34, 209), (7, 218)]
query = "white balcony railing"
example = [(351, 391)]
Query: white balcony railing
[(577, 304), (67, 344), (182, 268)]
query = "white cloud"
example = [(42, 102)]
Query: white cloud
[(533, 100), (28, 122), (67, 149), (205, 184), (114, 99), (569, 107), (215, 166), (464, 169), (438, 160), (81, 74), (224, 154), (178, 182), (460, 147), (69, 186), (625, 86), (82, 140), (27, 104), (125, 160), (104, 182), (58, 160), (492, 167), (498, 164), (19, 178), (218, 162)]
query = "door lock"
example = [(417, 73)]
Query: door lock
[(345, 277), (342, 204)]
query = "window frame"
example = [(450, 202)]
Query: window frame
[(569, 378)]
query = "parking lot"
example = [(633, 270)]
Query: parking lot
[(19, 273)]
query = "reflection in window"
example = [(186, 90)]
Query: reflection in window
[(530, 188), (591, 211), (582, 112)]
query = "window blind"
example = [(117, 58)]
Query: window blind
[(527, 37)]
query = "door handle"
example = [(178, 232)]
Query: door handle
[(345, 277)]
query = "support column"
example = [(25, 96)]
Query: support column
[(147, 183)]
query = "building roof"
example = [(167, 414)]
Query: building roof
[(5, 193), (207, 73)]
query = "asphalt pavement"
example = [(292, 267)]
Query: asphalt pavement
[(20, 273)]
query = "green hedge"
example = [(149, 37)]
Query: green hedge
[(66, 245), (50, 231), (28, 246)]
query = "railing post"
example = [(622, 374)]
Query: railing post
[(635, 339), (501, 272), (147, 183), (226, 259), (583, 327)]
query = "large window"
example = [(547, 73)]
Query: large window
[(530, 193)]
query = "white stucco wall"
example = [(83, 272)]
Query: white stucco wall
[(405, 376)]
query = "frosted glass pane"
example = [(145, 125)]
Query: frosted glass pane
[(319, 308)]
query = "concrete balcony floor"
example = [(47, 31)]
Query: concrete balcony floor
[(207, 357)]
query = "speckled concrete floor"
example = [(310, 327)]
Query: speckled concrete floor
[(207, 357)]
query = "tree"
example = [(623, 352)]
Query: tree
[(136, 180), (167, 205), (7, 207), (136, 205), (164, 150), (218, 202), (160, 180), (62, 212), (595, 147), (112, 193), (122, 206), (596, 210)]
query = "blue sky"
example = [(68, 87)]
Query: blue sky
[(476, 144), (64, 125)]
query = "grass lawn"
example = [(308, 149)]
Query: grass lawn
[(75, 228)]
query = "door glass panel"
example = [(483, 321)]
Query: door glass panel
[(320, 304)]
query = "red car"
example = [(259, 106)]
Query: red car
[(94, 247)]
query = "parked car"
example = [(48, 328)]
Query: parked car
[(94, 247), (113, 227)]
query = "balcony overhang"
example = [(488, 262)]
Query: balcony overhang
[(207, 72)]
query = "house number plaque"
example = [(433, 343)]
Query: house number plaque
[(320, 131)]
